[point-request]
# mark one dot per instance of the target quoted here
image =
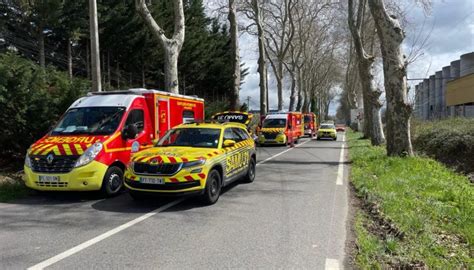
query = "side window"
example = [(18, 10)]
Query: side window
[(188, 117), (242, 134), (136, 117), (229, 135)]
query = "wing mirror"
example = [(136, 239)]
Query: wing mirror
[(129, 132), (229, 143)]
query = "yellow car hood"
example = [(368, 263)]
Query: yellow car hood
[(174, 154)]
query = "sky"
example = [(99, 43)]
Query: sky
[(448, 28)]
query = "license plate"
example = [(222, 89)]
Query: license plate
[(48, 178), (147, 180)]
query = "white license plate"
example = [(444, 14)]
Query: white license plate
[(48, 178), (147, 180)]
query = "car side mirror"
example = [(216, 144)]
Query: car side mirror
[(229, 143), (129, 132)]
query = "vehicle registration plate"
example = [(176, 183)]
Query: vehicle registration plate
[(148, 180), (48, 178)]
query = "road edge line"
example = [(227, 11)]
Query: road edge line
[(340, 169)]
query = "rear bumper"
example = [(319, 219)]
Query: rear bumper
[(325, 135), (85, 178), (280, 139)]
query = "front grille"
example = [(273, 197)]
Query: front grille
[(59, 164), (52, 184), (166, 186), (157, 169), (270, 136)]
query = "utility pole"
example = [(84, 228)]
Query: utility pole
[(95, 52)]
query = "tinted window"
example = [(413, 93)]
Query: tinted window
[(242, 134), (194, 137), (136, 118), (229, 134), (188, 116)]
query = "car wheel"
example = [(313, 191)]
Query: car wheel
[(250, 176), (213, 188), (335, 139), (112, 182)]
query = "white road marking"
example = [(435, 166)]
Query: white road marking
[(122, 227), (101, 237), (340, 169), (281, 153), (332, 264)]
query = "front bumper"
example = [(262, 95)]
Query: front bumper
[(183, 182), (327, 135), (279, 139), (85, 178)]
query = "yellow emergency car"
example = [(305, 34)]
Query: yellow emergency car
[(327, 130), (193, 158)]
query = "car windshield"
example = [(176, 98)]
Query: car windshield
[(192, 137), (90, 121), (307, 118), (274, 123), (327, 126)]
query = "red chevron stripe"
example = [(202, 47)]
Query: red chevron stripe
[(174, 180), (172, 159), (189, 178), (184, 159), (202, 176)]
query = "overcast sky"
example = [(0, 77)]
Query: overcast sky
[(449, 27)]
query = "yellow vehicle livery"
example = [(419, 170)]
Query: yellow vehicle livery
[(327, 131), (193, 158)]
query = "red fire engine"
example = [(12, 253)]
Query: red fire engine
[(92, 143)]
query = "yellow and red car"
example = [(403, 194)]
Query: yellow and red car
[(193, 159), (327, 131)]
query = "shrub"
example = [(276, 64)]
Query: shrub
[(31, 101), (450, 141)]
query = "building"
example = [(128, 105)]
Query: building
[(449, 92)]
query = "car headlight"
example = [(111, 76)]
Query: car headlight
[(27, 161), (194, 163), (89, 155)]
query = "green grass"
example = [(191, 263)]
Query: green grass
[(431, 205), (12, 190)]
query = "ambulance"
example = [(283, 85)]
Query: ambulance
[(310, 124), (91, 144), (281, 128)]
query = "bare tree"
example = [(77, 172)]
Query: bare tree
[(398, 113), (171, 46), (371, 95), (262, 65), (234, 37), (279, 34)]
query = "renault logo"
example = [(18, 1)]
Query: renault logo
[(50, 158)]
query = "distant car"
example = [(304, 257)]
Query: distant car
[(341, 128), (327, 131)]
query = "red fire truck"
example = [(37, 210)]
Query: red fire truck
[(310, 124), (91, 144)]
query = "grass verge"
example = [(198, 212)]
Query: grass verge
[(416, 213), (11, 187)]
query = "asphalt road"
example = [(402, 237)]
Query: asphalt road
[(292, 216)]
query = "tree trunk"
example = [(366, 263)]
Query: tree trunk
[(41, 52), (95, 51), (109, 76), (394, 65), (293, 93), (234, 38), (69, 58), (372, 118), (280, 85), (262, 68), (299, 104), (171, 46)]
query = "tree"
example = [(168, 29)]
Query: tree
[(279, 34), (234, 37), (391, 36), (171, 46), (372, 104)]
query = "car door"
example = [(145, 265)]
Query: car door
[(232, 154)]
